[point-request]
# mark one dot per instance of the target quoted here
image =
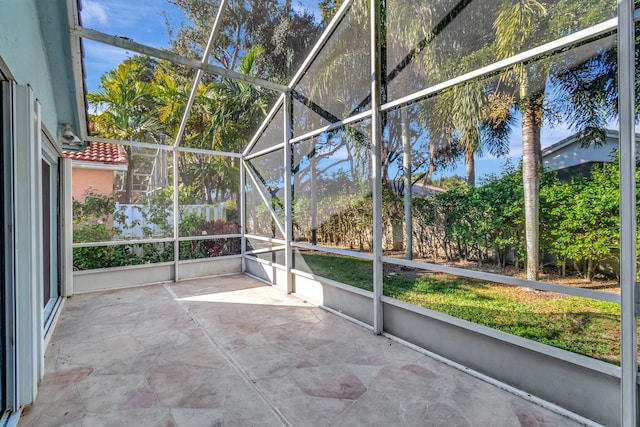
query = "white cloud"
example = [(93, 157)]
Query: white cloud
[(93, 14)]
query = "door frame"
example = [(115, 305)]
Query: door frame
[(51, 155)]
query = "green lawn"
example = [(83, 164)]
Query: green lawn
[(576, 324)]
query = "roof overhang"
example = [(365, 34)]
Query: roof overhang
[(64, 54), (84, 164)]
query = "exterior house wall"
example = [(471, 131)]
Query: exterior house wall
[(38, 97), (99, 180), (23, 51), (570, 156), (574, 154)]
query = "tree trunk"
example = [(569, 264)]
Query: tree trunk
[(531, 163), (408, 190), (470, 162), (531, 188), (128, 185), (428, 177), (240, 196), (314, 201), (591, 269)]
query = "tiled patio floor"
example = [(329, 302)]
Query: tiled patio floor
[(231, 351)]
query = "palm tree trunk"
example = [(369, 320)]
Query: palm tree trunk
[(531, 151), (408, 190), (470, 162), (128, 185), (428, 178), (314, 202)]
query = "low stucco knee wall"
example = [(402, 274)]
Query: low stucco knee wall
[(146, 274)]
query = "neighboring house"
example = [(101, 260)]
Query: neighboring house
[(570, 156), (96, 168)]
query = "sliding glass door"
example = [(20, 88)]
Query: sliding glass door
[(50, 229)]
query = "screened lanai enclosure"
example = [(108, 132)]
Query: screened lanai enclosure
[(458, 175)]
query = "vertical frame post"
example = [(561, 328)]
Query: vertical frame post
[(66, 171), (243, 214), (626, 108), (376, 139), (288, 219), (176, 219), (8, 282)]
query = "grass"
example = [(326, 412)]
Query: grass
[(347, 270), (580, 325)]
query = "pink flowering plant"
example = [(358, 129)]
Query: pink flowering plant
[(192, 224)]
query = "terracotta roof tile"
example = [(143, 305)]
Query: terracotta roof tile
[(99, 152)]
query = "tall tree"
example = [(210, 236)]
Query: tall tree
[(122, 112), (283, 33), (521, 24), (328, 9)]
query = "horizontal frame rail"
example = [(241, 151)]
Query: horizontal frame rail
[(161, 240), (332, 126), (268, 150), (345, 252), (122, 242), (163, 147), (266, 250), (209, 237), (506, 280), (265, 239)]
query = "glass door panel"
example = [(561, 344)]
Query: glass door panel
[(50, 232)]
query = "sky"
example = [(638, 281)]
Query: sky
[(141, 20), (144, 21), (488, 164)]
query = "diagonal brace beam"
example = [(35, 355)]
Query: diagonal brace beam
[(195, 64)]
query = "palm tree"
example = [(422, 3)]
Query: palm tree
[(122, 112), (225, 111), (518, 25)]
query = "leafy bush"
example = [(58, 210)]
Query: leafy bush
[(94, 215)]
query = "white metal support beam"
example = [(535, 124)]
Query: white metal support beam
[(195, 64), (162, 147), (196, 81), (243, 214), (176, 219), (288, 219), (320, 43), (376, 163), (626, 108), (264, 124)]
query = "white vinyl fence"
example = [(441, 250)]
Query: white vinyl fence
[(133, 221)]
